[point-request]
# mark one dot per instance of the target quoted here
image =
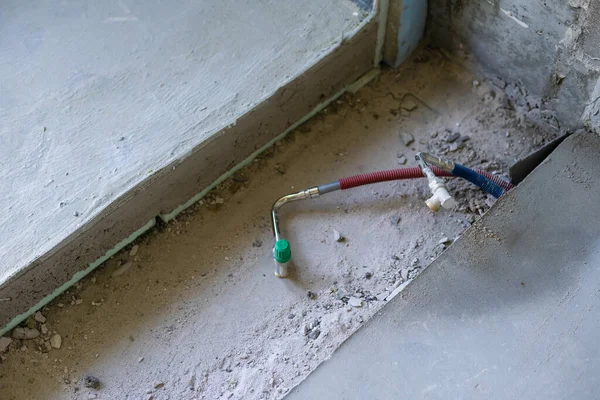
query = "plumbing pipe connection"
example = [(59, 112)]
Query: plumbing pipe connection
[(440, 195), (282, 252), (487, 183)]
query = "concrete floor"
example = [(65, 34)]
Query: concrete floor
[(116, 90), (509, 311), (198, 313)]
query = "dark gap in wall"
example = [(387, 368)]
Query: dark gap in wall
[(365, 5)]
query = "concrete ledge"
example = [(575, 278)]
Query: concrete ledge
[(175, 184)]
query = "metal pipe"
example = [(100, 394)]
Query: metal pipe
[(288, 198), (282, 252), (444, 164)]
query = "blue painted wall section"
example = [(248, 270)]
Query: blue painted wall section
[(412, 26)]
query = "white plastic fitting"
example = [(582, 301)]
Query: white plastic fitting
[(441, 197)]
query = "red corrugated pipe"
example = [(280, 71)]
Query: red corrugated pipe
[(409, 173)]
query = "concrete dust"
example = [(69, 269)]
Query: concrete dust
[(198, 314)]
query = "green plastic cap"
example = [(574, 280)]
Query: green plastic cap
[(282, 251)]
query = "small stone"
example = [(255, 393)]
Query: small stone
[(4, 343), (402, 160), (476, 83), (31, 322), (76, 214), (56, 341), (91, 382), (219, 200), (538, 140), (313, 334), (291, 316), (311, 295), (44, 329), (280, 168), (39, 317), (93, 279), (47, 346), (453, 137), (92, 396), (497, 81), (355, 302), (409, 104), (134, 251), (406, 138), (414, 262), (121, 270), (338, 236), (445, 241), (25, 333), (159, 385), (257, 243), (368, 275), (465, 138), (434, 134), (404, 274), (192, 382)]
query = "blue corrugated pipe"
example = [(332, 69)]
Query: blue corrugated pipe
[(477, 179)]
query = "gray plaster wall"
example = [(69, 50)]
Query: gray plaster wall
[(546, 54)]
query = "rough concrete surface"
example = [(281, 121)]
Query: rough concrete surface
[(117, 90), (106, 225), (546, 51), (198, 313), (508, 312)]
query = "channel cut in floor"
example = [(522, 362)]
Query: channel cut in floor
[(198, 313)]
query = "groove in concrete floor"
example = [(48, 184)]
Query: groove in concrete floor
[(198, 313)]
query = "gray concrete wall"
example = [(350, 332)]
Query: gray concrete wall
[(114, 114), (546, 54)]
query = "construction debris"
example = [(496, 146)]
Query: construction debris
[(355, 302), (409, 104), (39, 317), (134, 251), (91, 382), (25, 333), (407, 138), (122, 269), (56, 341), (4, 343)]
